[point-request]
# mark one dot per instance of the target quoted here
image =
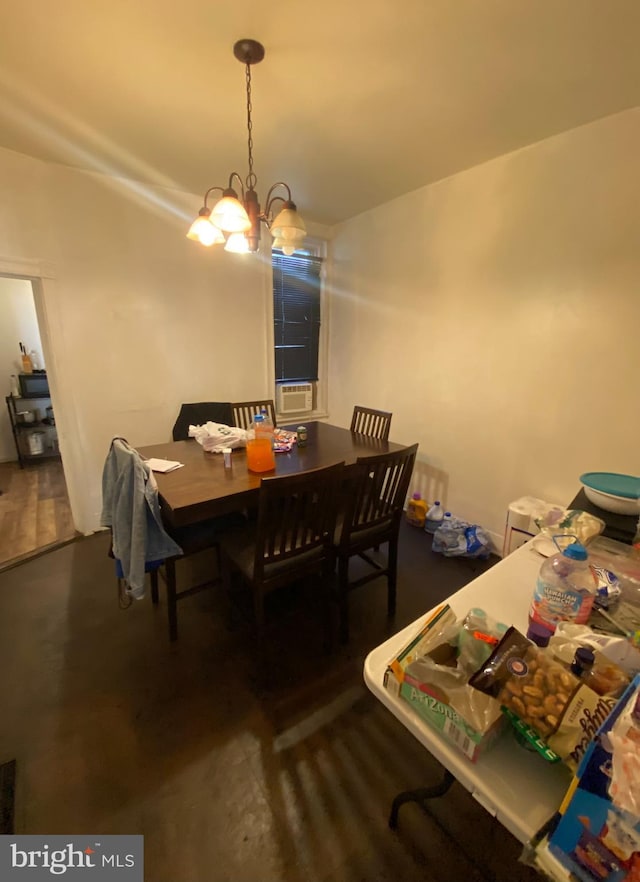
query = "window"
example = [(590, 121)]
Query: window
[(296, 316)]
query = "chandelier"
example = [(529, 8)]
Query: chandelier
[(236, 221)]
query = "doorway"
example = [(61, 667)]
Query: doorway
[(35, 514)]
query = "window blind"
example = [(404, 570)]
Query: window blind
[(296, 316)]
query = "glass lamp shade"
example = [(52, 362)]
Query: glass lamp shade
[(287, 247), (288, 225), (230, 216), (237, 242), (203, 231)]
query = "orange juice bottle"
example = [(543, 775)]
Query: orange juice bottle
[(260, 455)]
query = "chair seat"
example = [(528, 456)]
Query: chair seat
[(239, 545), (365, 537)]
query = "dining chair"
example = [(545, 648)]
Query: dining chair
[(375, 492), (292, 538), (375, 423), (141, 542), (198, 413), (244, 412)]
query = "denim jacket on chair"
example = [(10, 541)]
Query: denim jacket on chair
[(131, 508)]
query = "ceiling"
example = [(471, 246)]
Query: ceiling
[(355, 103)]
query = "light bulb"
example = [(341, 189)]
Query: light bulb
[(287, 246), (288, 225), (229, 215), (203, 231), (237, 242)]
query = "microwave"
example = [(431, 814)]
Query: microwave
[(34, 385)]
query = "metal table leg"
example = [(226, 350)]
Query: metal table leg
[(420, 796)]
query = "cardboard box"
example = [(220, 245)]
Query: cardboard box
[(595, 838), (430, 701)]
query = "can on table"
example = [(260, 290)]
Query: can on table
[(301, 432)]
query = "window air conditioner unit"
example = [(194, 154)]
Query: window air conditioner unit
[(295, 399)]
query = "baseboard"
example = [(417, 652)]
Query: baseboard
[(37, 552)]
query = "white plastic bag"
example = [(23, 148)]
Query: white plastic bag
[(214, 437), (568, 637), (457, 538)]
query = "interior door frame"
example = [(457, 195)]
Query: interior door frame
[(42, 276)]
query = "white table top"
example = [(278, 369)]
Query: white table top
[(518, 787)]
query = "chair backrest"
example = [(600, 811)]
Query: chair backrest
[(200, 413), (244, 412), (296, 521), (376, 493), (375, 423)]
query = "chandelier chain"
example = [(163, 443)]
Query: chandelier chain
[(236, 219), (251, 178)]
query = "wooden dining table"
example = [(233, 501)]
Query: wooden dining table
[(203, 488)]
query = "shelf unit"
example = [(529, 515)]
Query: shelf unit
[(21, 431)]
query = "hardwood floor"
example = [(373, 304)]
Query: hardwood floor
[(34, 510), (116, 730)]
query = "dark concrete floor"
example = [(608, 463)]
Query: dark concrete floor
[(115, 730)]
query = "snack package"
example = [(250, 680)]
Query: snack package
[(624, 741), (597, 836), (544, 695), (581, 524), (607, 585)]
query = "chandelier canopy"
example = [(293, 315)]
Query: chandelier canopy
[(236, 221)]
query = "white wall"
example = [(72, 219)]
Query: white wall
[(497, 315), (139, 318), (18, 324)]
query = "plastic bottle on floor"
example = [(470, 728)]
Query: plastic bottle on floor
[(416, 510), (434, 517)]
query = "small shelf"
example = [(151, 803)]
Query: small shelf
[(21, 432), (38, 424)]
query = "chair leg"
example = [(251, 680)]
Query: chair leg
[(154, 586), (325, 579), (261, 657), (172, 606), (392, 576), (343, 587)]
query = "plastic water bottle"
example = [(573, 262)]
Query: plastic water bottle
[(434, 517), (416, 511), (564, 592), (446, 533)]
